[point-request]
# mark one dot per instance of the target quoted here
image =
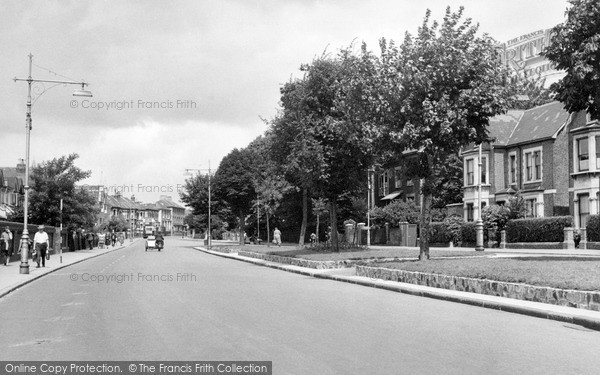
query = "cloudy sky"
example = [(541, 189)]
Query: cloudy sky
[(177, 84)]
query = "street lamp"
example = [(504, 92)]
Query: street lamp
[(209, 234), (24, 268), (479, 224)]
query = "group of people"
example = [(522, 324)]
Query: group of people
[(104, 239), (257, 241), (39, 247)]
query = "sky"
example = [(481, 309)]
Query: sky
[(177, 85)]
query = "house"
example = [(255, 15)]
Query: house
[(531, 153), (171, 214), (12, 189), (390, 183), (583, 169)]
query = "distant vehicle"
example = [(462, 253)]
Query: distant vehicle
[(155, 241), (148, 230)]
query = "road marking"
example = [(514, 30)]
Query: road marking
[(73, 304), (59, 319)]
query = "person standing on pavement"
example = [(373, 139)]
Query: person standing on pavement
[(90, 240), (277, 236), (5, 243), (41, 244), (113, 238)]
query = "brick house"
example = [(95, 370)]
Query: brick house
[(531, 154), (584, 170), (390, 183)]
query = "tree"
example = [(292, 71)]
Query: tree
[(195, 193), (575, 48), (55, 180), (319, 208), (233, 184), (530, 92), (117, 223), (433, 94), (449, 182), (322, 148)]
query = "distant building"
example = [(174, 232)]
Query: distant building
[(12, 189), (171, 214)]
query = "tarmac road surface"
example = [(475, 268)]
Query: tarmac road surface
[(183, 304)]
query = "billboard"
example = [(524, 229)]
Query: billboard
[(522, 56)]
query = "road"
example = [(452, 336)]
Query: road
[(183, 304)]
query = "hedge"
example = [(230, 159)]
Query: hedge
[(542, 229), (439, 233), (593, 228), (469, 232)]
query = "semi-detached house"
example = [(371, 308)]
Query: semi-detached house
[(544, 153)]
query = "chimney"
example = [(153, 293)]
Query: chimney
[(21, 166)]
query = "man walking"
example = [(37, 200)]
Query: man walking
[(41, 244)]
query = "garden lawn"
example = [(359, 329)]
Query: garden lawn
[(353, 254), (558, 272)]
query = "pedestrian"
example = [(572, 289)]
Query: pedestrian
[(41, 244), (277, 237), (90, 240), (113, 238), (313, 239), (101, 239), (5, 244)]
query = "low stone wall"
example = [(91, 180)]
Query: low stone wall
[(571, 298), (224, 249), (315, 264)]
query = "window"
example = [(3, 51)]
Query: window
[(383, 184), (528, 167), (513, 168), (583, 154), (597, 152), (469, 211), (531, 205), (584, 209), (470, 173), (533, 164), (409, 182), (398, 177), (484, 170)]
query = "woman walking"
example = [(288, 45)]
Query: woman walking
[(277, 237)]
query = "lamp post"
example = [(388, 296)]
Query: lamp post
[(208, 230), (24, 267), (368, 207), (479, 224)]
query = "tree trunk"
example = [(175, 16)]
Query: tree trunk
[(304, 216), (333, 220), (242, 229), (426, 199), (268, 231), (317, 230)]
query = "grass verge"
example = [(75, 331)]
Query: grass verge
[(580, 273), (353, 254)]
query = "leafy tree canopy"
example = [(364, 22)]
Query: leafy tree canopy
[(53, 180), (575, 48)]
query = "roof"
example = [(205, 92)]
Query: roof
[(167, 203), (526, 126), (502, 126), (539, 123), (391, 196)]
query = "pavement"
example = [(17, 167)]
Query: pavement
[(11, 279), (586, 318)]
